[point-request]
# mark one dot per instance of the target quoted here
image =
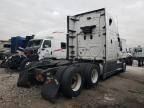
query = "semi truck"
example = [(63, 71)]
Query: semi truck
[(49, 46), (138, 55), (93, 47)]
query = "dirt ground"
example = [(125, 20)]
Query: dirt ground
[(125, 90)]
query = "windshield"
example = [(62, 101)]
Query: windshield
[(34, 43)]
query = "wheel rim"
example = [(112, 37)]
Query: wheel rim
[(94, 76), (76, 82)]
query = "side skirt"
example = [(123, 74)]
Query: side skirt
[(110, 68)]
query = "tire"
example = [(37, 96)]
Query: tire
[(124, 67), (24, 64), (129, 61), (91, 75), (139, 63), (142, 63), (60, 72), (72, 82)]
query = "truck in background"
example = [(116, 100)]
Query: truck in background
[(3, 42), (18, 41), (4, 48), (135, 53), (138, 54), (12, 53), (93, 47), (49, 46)]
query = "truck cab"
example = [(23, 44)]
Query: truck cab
[(48, 48)]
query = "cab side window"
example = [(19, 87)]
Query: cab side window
[(63, 45), (47, 44)]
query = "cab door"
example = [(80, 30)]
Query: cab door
[(45, 49)]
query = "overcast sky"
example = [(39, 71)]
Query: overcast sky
[(26, 17)]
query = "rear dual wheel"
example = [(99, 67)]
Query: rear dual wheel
[(94, 76), (91, 75), (78, 75), (76, 82), (72, 82)]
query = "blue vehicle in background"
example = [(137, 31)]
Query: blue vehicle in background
[(16, 54), (18, 41)]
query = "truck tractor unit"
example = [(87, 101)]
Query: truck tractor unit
[(93, 52), (48, 48), (42, 49), (138, 54)]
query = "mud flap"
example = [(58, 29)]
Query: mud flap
[(23, 80), (50, 89)]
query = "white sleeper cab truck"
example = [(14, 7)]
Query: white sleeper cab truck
[(93, 47), (48, 47), (93, 37)]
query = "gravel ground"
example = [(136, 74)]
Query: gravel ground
[(125, 90)]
